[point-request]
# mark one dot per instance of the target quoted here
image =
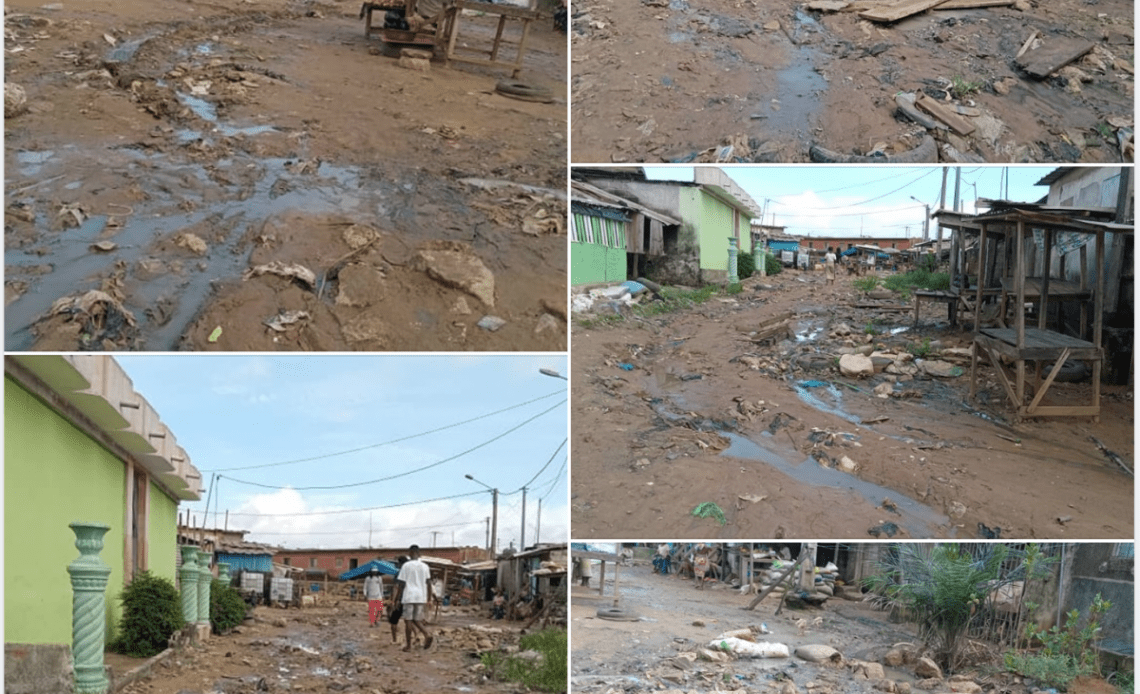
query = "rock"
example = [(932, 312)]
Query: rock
[(964, 686), (461, 306), (547, 322), (886, 686), (15, 100), (279, 622), (957, 510), (928, 685), (902, 687), (417, 53), (367, 328), (841, 330), (455, 264), (869, 671), (491, 323), (894, 658), (819, 653), (418, 64), (856, 365), (359, 285), (847, 465), (788, 688), (193, 243), (697, 622), (358, 236), (927, 668), (884, 390), (900, 368), (941, 369)]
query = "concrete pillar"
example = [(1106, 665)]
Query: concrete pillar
[(189, 576), (224, 573), (204, 578), (89, 608), (732, 251)]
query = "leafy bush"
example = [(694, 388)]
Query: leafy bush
[(547, 674), (1050, 671), (1073, 640), (227, 609), (745, 265), (152, 612), (772, 266), (866, 284), (921, 278)]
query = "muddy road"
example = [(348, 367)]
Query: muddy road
[(682, 408), (261, 176), (654, 653), (714, 80), (331, 648)]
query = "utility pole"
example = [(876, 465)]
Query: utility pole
[(488, 542), (957, 186), (522, 533), (369, 530), (494, 521), (538, 523), (433, 534)]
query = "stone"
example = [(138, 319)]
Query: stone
[(455, 265), (491, 323), (547, 323), (870, 671), (367, 328), (928, 685), (847, 465), (192, 243), (957, 510), (841, 330), (359, 286), (964, 686), (900, 368), (941, 369), (885, 686), (902, 687), (894, 658), (927, 668), (856, 365), (418, 64), (884, 390), (358, 236), (15, 100), (818, 653), (461, 306)]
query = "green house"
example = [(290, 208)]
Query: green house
[(695, 219), (80, 445)]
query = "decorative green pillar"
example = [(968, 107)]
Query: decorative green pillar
[(204, 578), (224, 573), (189, 575), (732, 251), (89, 608)]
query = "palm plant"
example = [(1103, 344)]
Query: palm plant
[(943, 588)]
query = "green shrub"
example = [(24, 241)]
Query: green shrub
[(227, 609), (1056, 671), (547, 674), (866, 284), (152, 612), (921, 278), (772, 265), (745, 265)]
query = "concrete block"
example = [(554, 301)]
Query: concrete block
[(42, 668)]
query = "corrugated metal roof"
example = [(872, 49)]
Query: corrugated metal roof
[(380, 565), (783, 245)]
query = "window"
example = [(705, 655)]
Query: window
[(353, 563), (288, 561), (339, 562), (312, 562)]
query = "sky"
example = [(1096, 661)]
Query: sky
[(231, 412), (870, 201)]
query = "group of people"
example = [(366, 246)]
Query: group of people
[(410, 598)]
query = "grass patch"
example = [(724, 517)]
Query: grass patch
[(673, 299), (960, 87), (547, 673), (866, 284), (918, 278), (1056, 670)]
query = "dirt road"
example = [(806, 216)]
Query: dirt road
[(331, 648), (166, 150), (670, 80), (787, 447)]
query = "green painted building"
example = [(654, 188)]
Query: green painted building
[(81, 445), (682, 235)]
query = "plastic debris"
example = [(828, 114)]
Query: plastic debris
[(710, 510), (215, 334)]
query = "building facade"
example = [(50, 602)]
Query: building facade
[(334, 562)]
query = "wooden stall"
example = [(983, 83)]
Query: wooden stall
[(1013, 223)]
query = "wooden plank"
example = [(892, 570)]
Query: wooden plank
[(957, 123), (1048, 380), (899, 10), (1028, 42), (1062, 411), (972, 4), (1046, 60)]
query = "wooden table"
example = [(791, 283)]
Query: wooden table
[(603, 557), (1039, 345), (449, 31)]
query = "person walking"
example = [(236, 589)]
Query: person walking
[(374, 594), (397, 610), (414, 596), (829, 265)]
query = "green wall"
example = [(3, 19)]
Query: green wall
[(603, 260), (162, 534), (53, 475)]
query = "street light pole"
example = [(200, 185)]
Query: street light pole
[(494, 513), (552, 373), (522, 533)]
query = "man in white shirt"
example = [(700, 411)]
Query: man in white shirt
[(414, 596), (374, 594), (829, 265)]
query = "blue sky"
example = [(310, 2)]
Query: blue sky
[(872, 201), (239, 411)]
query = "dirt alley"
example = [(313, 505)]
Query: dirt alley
[(166, 149), (331, 648), (671, 80), (646, 655), (704, 415)]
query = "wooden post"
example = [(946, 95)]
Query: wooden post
[(1084, 255), (1019, 282), (1098, 320), (981, 280), (787, 572), (522, 48), (617, 590), (1047, 267), (495, 45)]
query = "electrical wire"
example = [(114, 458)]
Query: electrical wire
[(374, 530), (864, 202), (407, 472), (387, 443), (548, 462), (353, 510)]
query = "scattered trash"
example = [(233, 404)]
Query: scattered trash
[(813, 384), (279, 323), (710, 510), (988, 533), (887, 529), (215, 334), (749, 649), (624, 366), (292, 270), (491, 323), (104, 246)]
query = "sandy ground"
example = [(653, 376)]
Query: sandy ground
[(332, 648), (669, 80), (675, 618), (706, 415), (193, 141)]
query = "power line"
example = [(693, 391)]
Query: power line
[(548, 462), (557, 478), (904, 172), (353, 510), (408, 472), (387, 443), (399, 529), (877, 197)]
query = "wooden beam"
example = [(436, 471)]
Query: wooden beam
[(1048, 380), (900, 10), (957, 123), (1045, 269), (787, 572), (1045, 61), (972, 4)]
